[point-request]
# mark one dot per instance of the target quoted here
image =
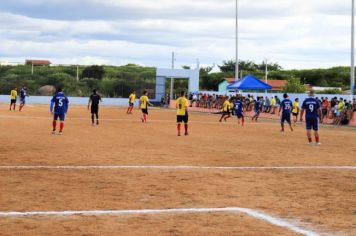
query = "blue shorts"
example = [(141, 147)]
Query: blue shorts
[(239, 114), (61, 116), (312, 123), (22, 101), (285, 117)]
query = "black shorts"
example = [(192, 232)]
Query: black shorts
[(285, 117), (295, 114), (145, 111), (131, 104), (226, 113), (23, 102), (94, 109), (13, 101), (324, 112), (181, 119)]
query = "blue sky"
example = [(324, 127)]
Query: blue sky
[(294, 33)]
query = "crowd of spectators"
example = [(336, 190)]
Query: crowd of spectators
[(339, 110)]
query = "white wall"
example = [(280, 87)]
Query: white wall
[(72, 100)]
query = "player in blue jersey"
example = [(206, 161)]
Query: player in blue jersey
[(23, 94), (258, 105), (59, 109), (239, 110), (286, 108), (311, 107)]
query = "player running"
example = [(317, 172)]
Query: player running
[(59, 109), (182, 113), (258, 105), (295, 111), (312, 117), (13, 98), (23, 94), (239, 111), (286, 106), (144, 102), (132, 98), (94, 101), (226, 112)]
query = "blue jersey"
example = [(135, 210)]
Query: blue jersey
[(286, 106), (311, 106), (258, 105), (238, 107), (22, 94), (60, 103)]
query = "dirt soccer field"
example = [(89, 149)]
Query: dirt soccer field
[(124, 177)]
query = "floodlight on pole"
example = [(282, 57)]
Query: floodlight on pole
[(352, 77), (237, 41)]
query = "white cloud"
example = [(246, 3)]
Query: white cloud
[(295, 33)]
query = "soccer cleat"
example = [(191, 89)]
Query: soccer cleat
[(179, 134), (318, 144), (186, 134), (309, 143), (97, 122), (142, 120), (53, 132), (60, 133)]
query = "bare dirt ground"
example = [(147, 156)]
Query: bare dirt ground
[(319, 199)]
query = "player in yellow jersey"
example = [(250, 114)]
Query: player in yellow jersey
[(226, 111), (131, 102), (182, 113), (144, 102), (295, 111), (13, 97)]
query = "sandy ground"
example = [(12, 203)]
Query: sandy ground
[(322, 200)]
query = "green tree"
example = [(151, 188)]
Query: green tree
[(294, 86), (95, 72)]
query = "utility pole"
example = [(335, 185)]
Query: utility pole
[(32, 68), (352, 77), (172, 79), (266, 73), (77, 73), (237, 41)]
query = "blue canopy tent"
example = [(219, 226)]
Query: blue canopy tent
[(249, 82)]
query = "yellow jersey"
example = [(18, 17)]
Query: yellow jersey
[(144, 102), (231, 105), (341, 106), (226, 106), (13, 94), (132, 98), (182, 106), (295, 107), (273, 102)]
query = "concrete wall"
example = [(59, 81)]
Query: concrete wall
[(72, 100)]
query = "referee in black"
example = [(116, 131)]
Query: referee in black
[(94, 101)]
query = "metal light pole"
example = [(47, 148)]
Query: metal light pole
[(77, 73), (352, 79), (266, 73), (237, 41), (172, 79)]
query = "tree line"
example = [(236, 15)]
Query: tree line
[(119, 81)]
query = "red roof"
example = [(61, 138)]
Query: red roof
[(38, 62), (230, 80), (277, 84)]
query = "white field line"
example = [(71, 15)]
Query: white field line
[(250, 212), (256, 168), (136, 120)]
